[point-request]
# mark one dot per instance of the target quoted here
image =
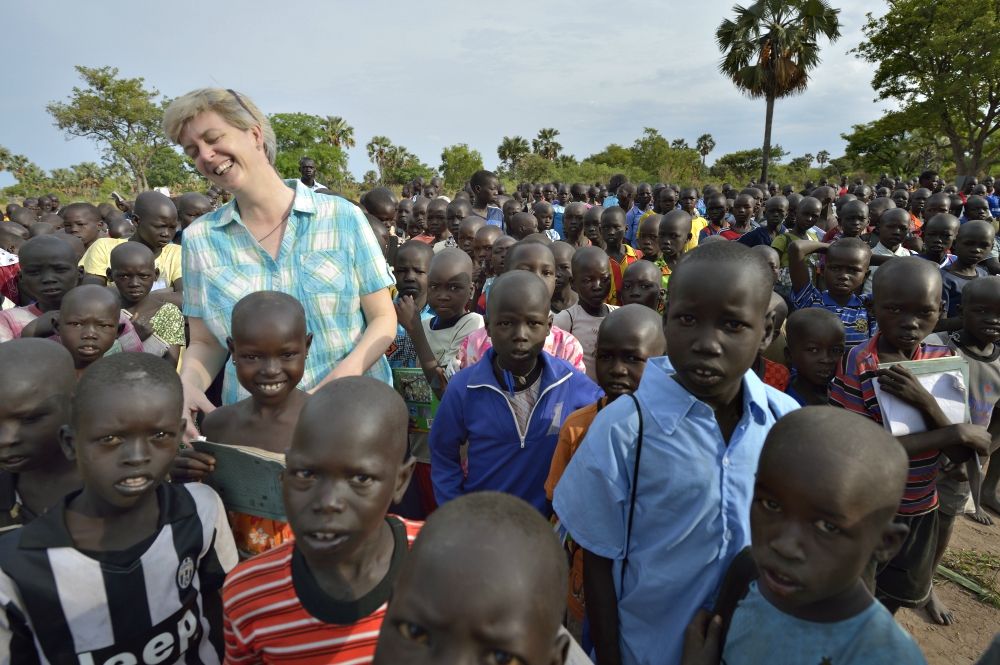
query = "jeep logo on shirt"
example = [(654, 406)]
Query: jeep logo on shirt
[(165, 642)]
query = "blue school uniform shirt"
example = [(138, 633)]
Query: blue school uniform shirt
[(610, 201), (632, 224), (760, 236), (994, 202), (494, 216), (692, 507), (853, 315), (557, 209), (760, 634), (951, 289)]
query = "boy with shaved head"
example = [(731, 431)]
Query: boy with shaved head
[(516, 393), (820, 514), (320, 598), (438, 612), (155, 218), (699, 418), (34, 405), (190, 206), (907, 304)]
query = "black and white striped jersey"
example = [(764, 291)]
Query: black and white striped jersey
[(62, 606)]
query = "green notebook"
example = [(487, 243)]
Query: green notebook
[(421, 402), (247, 479)]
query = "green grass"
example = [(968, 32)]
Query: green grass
[(982, 568)]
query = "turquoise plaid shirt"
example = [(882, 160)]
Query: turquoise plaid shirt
[(328, 259)]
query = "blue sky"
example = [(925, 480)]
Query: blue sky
[(429, 75)]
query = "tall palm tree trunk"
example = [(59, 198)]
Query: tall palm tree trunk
[(767, 137)]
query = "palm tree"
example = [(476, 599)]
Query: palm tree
[(378, 149), (337, 132), (679, 144), (769, 49), (513, 151), (822, 157), (5, 157), (704, 145), (545, 145)]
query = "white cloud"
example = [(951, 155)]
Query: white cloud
[(428, 76)]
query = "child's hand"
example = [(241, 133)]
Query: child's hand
[(975, 437), (406, 312), (702, 640), (190, 466), (143, 328), (900, 382)]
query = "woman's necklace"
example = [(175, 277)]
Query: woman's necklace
[(279, 225)]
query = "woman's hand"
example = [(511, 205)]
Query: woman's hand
[(190, 466), (195, 402)]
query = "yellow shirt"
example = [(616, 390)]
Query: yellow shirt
[(697, 224), (97, 260)]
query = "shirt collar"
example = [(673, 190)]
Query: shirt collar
[(828, 302), (482, 371), (668, 402), (49, 530), (304, 202)]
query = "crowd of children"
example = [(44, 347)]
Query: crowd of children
[(629, 424)]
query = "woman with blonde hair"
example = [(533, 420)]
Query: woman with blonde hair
[(275, 235)]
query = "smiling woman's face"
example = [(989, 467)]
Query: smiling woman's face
[(224, 154)]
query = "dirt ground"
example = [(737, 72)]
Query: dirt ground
[(975, 623)]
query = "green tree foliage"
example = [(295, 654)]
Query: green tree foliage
[(302, 135), (939, 60), (458, 163), (893, 145), (613, 155), (744, 164), (337, 132), (546, 144), (704, 145), (769, 48), (120, 115), (512, 152), (823, 156), (170, 168)]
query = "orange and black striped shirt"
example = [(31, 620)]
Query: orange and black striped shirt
[(275, 611)]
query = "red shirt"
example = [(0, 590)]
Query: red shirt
[(266, 620)]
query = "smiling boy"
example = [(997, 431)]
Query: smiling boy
[(346, 466), (129, 566)]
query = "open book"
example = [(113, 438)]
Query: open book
[(247, 479)]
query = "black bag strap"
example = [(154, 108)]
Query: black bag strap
[(735, 587), (635, 487)]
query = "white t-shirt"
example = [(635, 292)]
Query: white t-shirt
[(584, 327), (445, 343)]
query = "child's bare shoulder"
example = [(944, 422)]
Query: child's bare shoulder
[(217, 422)]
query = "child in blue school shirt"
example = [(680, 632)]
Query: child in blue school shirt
[(820, 514), (704, 416), (509, 406)]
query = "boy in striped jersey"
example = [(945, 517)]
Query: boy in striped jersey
[(907, 294), (127, 569), (320, 599)]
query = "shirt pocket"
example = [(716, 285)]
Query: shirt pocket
[(325, 272)]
